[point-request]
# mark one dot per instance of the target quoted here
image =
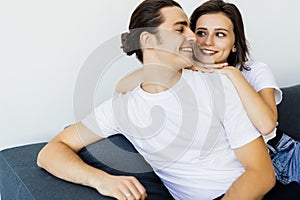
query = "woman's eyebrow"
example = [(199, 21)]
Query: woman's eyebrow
[(216, 29)]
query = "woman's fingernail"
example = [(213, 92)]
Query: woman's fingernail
[(224, 64)]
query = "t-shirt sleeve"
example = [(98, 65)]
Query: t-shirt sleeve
[(260, 77), (238, 127), (101, 120)]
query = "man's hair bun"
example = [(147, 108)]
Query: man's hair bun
[(129, 43)]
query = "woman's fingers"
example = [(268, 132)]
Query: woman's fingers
[(203, 67), (209, 65), (215, 66)]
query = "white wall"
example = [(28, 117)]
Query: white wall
[(44, 46)]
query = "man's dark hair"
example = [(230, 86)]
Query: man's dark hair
[(146, 17)]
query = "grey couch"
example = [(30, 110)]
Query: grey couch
[(21, 178)]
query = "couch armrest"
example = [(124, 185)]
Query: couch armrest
[(22, 179), (289, 111)]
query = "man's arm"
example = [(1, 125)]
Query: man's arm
[(259, 176), (59, 157)]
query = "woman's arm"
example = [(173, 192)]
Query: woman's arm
[(260, 106), (129, 82)]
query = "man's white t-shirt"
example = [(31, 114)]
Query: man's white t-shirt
[(187, 133)]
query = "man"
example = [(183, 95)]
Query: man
[(173, 121)]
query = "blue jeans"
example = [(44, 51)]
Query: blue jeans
[(286, 159)]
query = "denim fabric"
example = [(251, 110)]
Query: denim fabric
[(286, 159)]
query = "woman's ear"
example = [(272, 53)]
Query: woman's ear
[(147, 40), (233, 49)]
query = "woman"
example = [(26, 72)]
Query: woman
[(221, 39)]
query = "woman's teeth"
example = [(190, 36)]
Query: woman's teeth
[(208, 51)]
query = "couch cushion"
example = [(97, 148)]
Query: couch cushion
[(289, 111), (21, 178)]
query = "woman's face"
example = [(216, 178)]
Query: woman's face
[(215, 37)]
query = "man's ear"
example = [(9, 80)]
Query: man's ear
[(147, 40)]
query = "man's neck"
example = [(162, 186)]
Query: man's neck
[(159, 78)]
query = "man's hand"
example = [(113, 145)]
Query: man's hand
[(121, 187)]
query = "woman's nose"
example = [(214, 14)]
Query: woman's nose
[(209, 41)]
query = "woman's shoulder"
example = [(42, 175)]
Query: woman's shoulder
[(256, 65), (256, 68)]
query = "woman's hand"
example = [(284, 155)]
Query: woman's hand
[(198, 66), (229, 71)]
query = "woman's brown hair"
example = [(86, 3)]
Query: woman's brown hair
[(233, 13)]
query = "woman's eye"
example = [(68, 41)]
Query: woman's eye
[(200, 33), (220, 34)]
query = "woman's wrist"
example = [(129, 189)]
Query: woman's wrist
[(231, 71)]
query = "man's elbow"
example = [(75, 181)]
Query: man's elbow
[(271, 180), (44, 156), (267, 180), (41, 158)]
